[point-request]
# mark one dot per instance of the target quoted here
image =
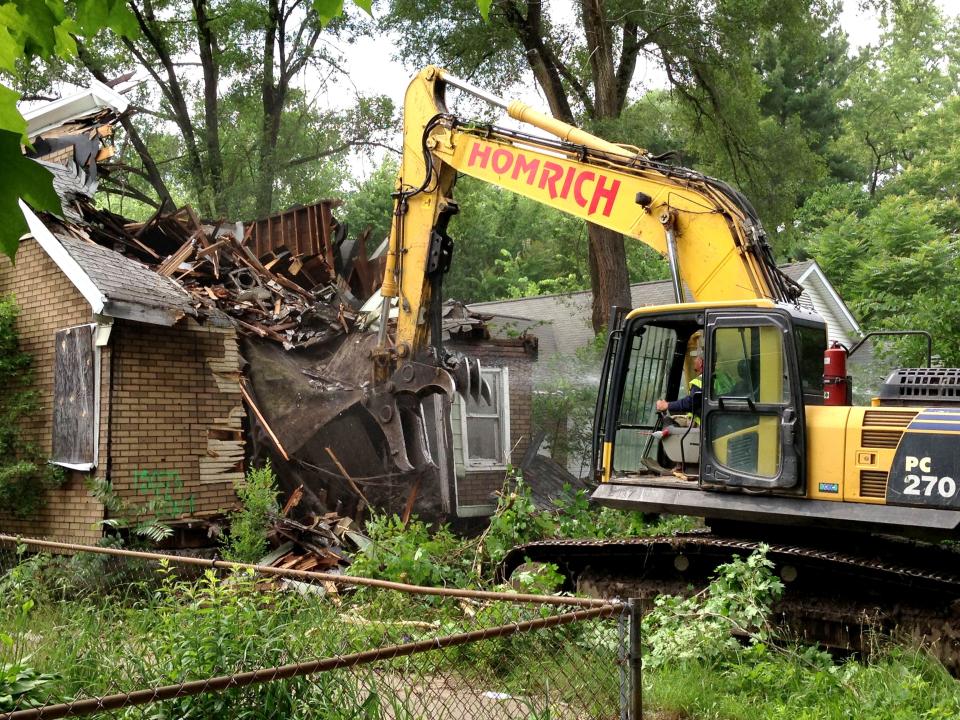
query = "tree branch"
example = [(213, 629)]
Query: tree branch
[(336, 150)]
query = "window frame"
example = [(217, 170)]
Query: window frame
[(503, 416), (96, 389)]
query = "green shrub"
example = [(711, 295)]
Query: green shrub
[(516, 520), (25, 476), (247, 539), (700, 627), (414, 554)]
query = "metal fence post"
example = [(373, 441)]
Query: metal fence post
[(636, 665)]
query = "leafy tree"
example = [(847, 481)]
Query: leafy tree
[(586, 72), (889, 242), (50, 30), (225, 75), (911, 70), (369, 203)]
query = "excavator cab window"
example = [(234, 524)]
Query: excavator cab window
[(753, 404), (645, 380)]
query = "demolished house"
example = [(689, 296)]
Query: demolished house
[(173, 353)]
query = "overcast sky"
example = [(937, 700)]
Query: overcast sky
[(374, 70)]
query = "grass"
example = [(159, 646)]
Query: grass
[(88, 627), (897, 684), (169, 631)]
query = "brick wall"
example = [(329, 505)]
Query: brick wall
[(177, 414), (175, 410), (49, 302), (475, 487)]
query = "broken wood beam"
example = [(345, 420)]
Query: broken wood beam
[(346, 475), (263, 421)]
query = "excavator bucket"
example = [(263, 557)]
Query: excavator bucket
[(395, 406)]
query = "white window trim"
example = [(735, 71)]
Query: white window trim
[(469, 464)]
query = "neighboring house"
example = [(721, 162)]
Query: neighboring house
[(563, 320), (563, 324), (487, 438), (131, 388)]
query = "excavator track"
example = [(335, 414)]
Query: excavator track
[(845, 601)]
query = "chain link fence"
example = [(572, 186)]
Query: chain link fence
[(107, 632)]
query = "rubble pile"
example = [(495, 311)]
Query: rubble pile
[(320, 543), (293, 278)]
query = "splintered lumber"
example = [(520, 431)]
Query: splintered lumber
[(346, 475), (173, 262), (263, 421), (281, 287), (411, 499)]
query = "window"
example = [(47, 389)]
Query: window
[(486, 428), (75, 399), (745, 432), (651, 353), (811, 342), (748, 362)]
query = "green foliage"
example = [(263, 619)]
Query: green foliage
[(32, 30), (22, 687), (141, 521), (216, 626), (700, 627), (783, 683), (516, 520), (369, 203), (25, 475), (414, 554), (247, 539), (21, 178), (421, 555)]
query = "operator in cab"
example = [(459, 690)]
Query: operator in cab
[(688, 409), (692, 404)]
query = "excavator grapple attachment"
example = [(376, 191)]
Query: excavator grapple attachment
[(396, 407)]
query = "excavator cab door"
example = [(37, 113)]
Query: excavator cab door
[(752, 421)]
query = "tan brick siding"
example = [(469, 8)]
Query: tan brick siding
[(177, 413), (49, 302)]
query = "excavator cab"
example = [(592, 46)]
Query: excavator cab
[(762, 362)]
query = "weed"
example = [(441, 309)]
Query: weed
[(25, 475), (413, 554), (700, 627), (258, 493)]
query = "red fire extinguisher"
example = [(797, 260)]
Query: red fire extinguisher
[(836, 382)]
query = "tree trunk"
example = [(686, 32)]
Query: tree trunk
[(609, 278), (209, 53), (272, 108), (608, 273)]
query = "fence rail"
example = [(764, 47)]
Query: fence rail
[(111, 632)]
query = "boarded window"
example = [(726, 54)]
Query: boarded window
[(74, 398), (488, 425)]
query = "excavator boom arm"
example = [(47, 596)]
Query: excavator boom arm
[(707, 230)]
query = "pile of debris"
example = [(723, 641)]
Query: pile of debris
[(293, 278), (318, 543)]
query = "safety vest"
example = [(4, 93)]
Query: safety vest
[(697, 382), (722, 384)]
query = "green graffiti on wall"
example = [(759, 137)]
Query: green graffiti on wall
[(164, 492)]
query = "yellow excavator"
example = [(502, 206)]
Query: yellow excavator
[(776, 450)]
